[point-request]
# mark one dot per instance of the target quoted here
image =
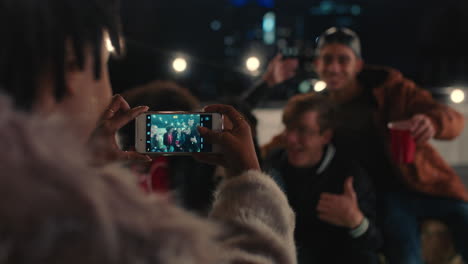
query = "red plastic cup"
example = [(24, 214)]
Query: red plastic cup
[(402, 146)]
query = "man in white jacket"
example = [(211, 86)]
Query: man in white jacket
[(56, 207)]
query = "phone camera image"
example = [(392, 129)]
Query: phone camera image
[(176, 133)]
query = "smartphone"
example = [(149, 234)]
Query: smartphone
[(175, 133)]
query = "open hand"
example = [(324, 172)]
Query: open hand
[(280, 70)]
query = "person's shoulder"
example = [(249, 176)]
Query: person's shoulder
[(275, 156), (375, 76), (276, 152), (337, 155), (28, 133), (353, 168), (347, 163)]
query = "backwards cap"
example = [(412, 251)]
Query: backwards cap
[(343, 36)]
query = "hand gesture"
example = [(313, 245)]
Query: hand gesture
[(341, 210), (237, 148), (103, 141), (280, 70)]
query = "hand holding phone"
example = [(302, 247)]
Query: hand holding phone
[(103, 142), (236, 142)]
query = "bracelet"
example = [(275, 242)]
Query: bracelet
[(361, 229)]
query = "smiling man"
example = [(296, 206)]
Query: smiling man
[(338, 64), (371, 98), (332, 197)]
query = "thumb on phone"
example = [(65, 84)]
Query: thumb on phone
[(213, 137)]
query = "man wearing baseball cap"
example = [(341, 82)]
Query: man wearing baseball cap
[(371, 99)]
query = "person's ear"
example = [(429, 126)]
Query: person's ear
[(327, 136), (359, 65)]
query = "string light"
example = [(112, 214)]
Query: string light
[(252, 64), (320, 86), (179, 65), (457, 96)]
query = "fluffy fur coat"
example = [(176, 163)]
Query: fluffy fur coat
[(56, 208)]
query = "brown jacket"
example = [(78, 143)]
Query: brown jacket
[(398, 99)]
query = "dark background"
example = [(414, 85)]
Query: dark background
[(426, 40)]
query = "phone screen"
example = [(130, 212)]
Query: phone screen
[(166, 133)]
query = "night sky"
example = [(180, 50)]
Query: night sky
[(426, 40)]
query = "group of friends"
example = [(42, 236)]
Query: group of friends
[(170, 138), (353, 201)]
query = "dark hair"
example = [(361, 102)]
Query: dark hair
[(244, 108), (162, 96), (34, 38), (315, 102), (343, 36)]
